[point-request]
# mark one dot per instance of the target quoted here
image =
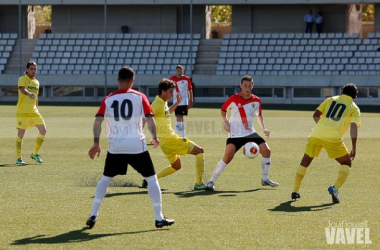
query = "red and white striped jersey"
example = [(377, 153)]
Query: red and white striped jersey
[(182, 86), (124, 110), (242, 113)]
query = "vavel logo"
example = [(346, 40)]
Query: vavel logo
[(345, 232)]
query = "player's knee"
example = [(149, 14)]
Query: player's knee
[(176, 166), (200, 150), (266, 152)]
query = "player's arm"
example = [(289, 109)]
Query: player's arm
[(317, 115), (191, 100), (260, 120), (152, 130), (175, 105), (26, 92), (227, 125), (354, 136), (97, 129)]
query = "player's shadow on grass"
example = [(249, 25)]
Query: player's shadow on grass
[(190, 194), (14, 165), (287, 207), (143, 191), (70, 237)]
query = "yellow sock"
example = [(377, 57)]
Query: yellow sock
[(39, 141), (200, 167), (166, 171), (18, 147), (342, 176), (301, 171)]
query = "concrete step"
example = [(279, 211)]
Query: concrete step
[(209, 48), (13, 65), (212, 54), (206, 60)]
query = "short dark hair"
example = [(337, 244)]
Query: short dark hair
[(247, 78), (30, 63), (126, 74), (179, 67), (351, 90), (165, 84)]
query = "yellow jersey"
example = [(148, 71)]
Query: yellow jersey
[(162, 117), (25, 104), (338, 112)]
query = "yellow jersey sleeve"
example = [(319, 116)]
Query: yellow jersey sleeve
[(355, 118)]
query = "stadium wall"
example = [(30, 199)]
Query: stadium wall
[(149, 83), (139, 19)]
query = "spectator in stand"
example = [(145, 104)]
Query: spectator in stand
[(319, 22), (309, 20)]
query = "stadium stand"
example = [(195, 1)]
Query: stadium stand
[(93, 53), (7, 43), (296, 54)]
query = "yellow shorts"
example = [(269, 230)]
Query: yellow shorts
[(28, 120), (175, 146), (334, 149)]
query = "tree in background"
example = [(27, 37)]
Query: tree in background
[(221, 13), (368, 12), (43, 13)]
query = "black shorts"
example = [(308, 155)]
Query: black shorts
[(241, 141), (117, 164), (181, 110)]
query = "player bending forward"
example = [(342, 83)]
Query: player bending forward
[(171, 144), (124, 109), (332, 118), (244, 106)]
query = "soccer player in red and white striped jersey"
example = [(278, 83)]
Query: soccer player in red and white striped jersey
[(124, 110), (244, 106)]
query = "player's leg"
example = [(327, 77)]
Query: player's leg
[(143, 164), (313, 149), (344, 171), (339, 152), (19, 142), (115, 164), (301, 171), (265, 165), (180, 126), (179, 121), (39, 140), (222, 164), (100, 193), (199, 165), (174, 166)]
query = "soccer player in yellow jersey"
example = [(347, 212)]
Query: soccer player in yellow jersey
[(332, 118), (171, 144), (27, 112)]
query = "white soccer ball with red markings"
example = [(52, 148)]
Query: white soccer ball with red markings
[(251, 150)]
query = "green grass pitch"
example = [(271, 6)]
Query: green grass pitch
[(45, 206)]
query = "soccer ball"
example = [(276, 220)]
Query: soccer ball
[(251, 150)]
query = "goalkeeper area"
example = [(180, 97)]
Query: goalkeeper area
[(45, 206)]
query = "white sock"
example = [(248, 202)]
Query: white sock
[(100, 193), (265, 167), (220, 166), (154, 193), (183, 132), (177, 128)]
